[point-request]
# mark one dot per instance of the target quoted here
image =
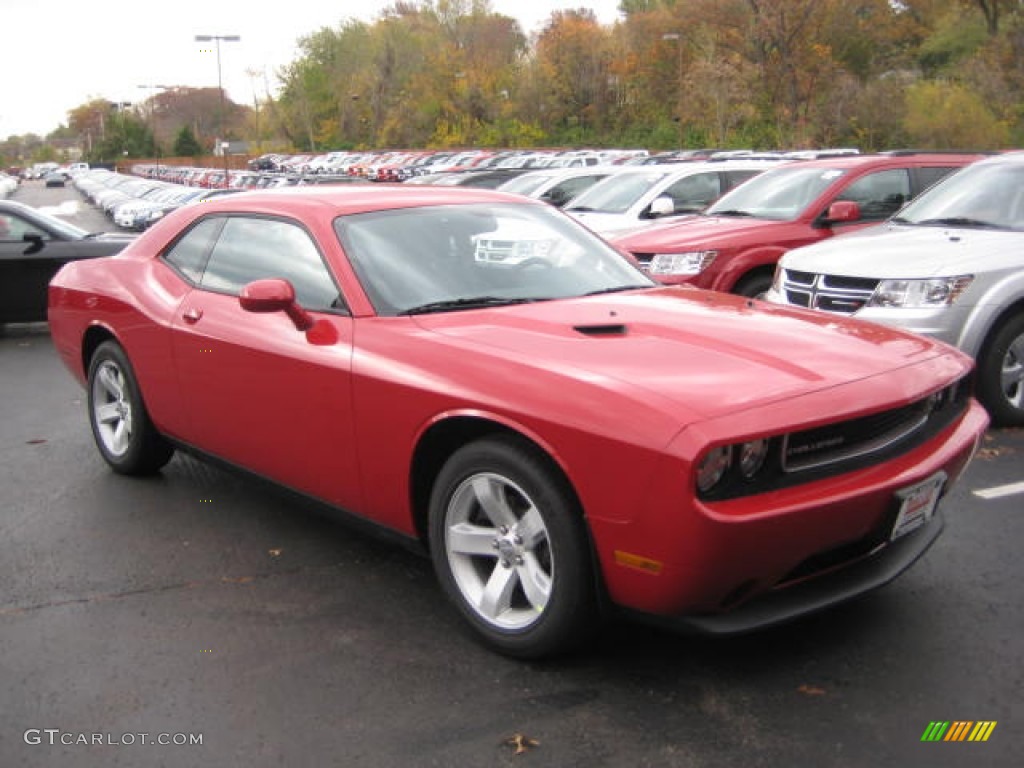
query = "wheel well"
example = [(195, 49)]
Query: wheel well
[(439, 443), (765, 270), (93, 338), (1009, 312)]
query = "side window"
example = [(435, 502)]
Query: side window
[(15, 228), (735, 178), (694, 193), (254, 248), (189, 254), (930, 175), (880, 194)]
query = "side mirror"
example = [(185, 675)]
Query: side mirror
[(36, 241), (842, 211), (663, 206), (274, 295)]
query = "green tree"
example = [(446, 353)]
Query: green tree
[(186, 144)]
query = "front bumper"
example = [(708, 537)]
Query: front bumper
[(789, 603)]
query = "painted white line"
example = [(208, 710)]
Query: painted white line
[(1000, 491)]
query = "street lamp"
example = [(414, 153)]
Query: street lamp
[(216, 39), (679, 80), (152, 120)]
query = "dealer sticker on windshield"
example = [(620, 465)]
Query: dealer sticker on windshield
[(917, 505)]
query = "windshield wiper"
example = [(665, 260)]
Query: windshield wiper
[(471, 302), (617, 289), (958, 221), (731, 212)]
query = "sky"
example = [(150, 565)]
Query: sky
[(59, 54)]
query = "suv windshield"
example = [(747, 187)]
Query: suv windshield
[(986, 196), (617, 193), (781, 194)]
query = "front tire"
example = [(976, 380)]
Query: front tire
[(124, 434), (1001, 374), (510, 549)]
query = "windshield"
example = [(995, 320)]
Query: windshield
[(39, 219), (444, 258), (525, 184), (781, 194), (984, 195), (617, 193)]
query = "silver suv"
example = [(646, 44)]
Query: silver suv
[(949, 265)]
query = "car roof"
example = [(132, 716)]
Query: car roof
[(348, 199), (897, 157)]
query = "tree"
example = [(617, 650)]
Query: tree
[(186, 144), (942, 115)]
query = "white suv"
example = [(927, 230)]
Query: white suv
[(949, 265)]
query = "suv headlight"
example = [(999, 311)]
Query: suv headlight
[(912, 294), (690, 263)]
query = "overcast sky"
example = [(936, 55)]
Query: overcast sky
[(58, 54)]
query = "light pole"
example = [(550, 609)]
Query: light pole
[(152, 121), (216, 39), (679, 80)]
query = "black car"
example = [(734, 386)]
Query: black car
[(33, 246)]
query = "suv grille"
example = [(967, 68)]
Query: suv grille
[(830, 293)]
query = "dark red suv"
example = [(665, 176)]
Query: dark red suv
[(734, 245)]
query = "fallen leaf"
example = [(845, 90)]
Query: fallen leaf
[(521, 743), (275, 552), (811, 690)]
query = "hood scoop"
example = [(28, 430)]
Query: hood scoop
[(601, 329)]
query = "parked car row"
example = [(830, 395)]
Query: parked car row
[(135, 203)]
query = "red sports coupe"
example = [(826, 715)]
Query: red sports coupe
[(482, 376)]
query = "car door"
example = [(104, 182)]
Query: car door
[(260, 393), (26, 267)]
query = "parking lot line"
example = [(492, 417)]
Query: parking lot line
[(1000, 491)]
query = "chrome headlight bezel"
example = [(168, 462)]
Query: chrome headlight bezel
[(681, 264), (919, 293)]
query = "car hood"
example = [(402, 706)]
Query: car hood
[(900, 251), (699, 232), (605, 223), (692, 353)]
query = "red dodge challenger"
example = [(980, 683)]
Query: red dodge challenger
[(483, 377)]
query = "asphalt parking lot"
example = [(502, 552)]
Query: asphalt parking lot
[(200, 604)]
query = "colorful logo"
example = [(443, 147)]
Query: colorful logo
[(959, 730)]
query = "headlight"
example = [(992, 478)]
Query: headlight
[(713, 468), (751, 457), (912, 294), (736, 469), (691, 263)]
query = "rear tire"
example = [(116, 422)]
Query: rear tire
[(1001, 374), (124, 434), (510, 549)]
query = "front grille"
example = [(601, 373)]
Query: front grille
[(846, 440), (830, 293)]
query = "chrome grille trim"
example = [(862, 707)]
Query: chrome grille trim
[(850, 440), (829, 293)]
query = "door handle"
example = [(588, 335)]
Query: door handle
[(192, 315)]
